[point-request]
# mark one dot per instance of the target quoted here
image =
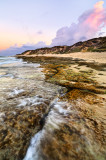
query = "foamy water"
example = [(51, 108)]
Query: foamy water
[(23, 86), (47, 128), (9, 60), (56, 117)]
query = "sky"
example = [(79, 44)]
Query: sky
[(31, 24)]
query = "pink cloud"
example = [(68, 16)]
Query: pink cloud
[(97, 17), (89, 24)]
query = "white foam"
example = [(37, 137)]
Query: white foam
[(16, 92), (55, 118), (33, 150), (36, 100), (60, 109), (7, 75)]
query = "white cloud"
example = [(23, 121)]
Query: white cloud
[(89, 24)]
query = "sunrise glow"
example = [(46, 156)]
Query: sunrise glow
[(28, 23)]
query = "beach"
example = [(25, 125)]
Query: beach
[(99, 57), (52, 107), (53, 80)]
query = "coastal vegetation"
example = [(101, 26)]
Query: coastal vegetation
[(92, 45)]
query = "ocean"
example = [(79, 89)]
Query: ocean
[(25, 98)]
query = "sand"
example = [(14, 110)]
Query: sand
[(88, 56), (96, 57)]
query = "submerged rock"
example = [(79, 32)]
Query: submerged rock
[(70, 127), (17, 127), (71, 131)]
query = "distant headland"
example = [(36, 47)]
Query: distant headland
[(92, 45)]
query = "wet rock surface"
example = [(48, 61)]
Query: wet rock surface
[(83, 135), (73, 130), (73, 77), (24, 99), (18, 125), (55, 111)]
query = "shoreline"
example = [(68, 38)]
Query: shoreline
[(33, 93), (80, 62), (98, 57)]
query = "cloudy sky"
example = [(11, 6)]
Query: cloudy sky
[(30, 24)]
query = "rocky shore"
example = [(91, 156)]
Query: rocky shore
[(73, 127), (86, 92)]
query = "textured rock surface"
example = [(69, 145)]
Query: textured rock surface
[(83, 136), (24, 99), (72, 128), (66, 76)]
